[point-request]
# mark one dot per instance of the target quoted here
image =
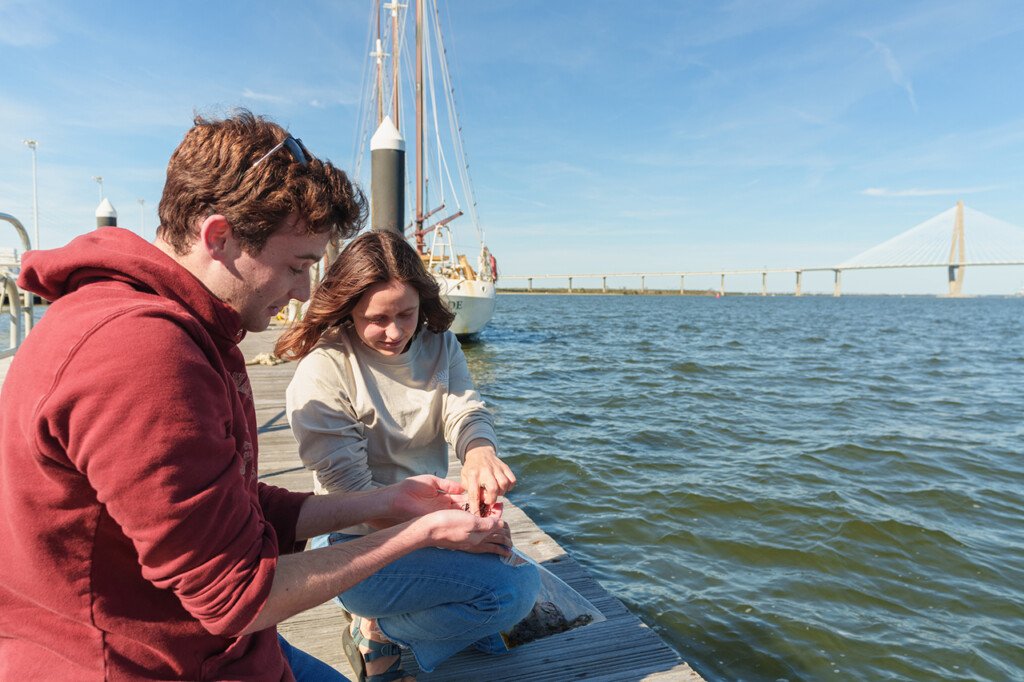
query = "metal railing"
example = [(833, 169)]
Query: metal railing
[(20, 302)]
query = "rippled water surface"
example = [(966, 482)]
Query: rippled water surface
[(784, 488)]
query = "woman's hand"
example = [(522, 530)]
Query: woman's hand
[(484, 475), (458, 530)]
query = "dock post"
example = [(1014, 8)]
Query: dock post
[(106, 215), (839, 284), (604, 284), (721, 285), (643, 284), (764, 283), (682, 289), (570, 285), (799, 288), (387, 179), (529, 285)]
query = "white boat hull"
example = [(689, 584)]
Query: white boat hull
[(472, 301)]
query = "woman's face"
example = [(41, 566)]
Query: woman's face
[(385, 317)]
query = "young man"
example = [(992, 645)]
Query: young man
[(136, 540)]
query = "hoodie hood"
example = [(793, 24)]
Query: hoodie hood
[(112, 254)]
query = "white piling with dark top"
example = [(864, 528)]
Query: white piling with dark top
[(106, 216), (387, 178)]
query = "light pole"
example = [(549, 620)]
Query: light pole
[(142, 216), (99, 179), (31, 144)]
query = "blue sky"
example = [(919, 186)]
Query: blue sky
[(602, 136)]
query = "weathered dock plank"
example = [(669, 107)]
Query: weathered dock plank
[(620, 648)]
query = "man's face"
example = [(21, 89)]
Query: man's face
[(263, 284)]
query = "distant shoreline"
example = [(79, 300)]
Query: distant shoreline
[(538, 291)]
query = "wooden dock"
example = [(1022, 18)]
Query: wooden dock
[(620, 648)]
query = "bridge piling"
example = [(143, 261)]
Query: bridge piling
[(799, 286), (838, 291)]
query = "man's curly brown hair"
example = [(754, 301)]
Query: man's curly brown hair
[(212, 172)]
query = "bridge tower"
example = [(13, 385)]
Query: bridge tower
[(957, 253)]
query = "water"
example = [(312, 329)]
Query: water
[(798, 489), (5, 324)]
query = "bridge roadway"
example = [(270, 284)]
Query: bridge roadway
[(764, 272), (619, 649)]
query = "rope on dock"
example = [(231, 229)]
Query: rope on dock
[(268, 359)]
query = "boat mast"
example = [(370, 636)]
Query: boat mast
[(420, 246), (394, 7), (378, 54)]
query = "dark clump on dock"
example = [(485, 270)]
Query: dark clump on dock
[(618, 648), (545, 619)]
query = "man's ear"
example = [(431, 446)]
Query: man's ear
[(216, 238)]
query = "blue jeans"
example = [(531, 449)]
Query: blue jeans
[(307, 668), (437, 602)]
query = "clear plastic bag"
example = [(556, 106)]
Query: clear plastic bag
[(558, 608)]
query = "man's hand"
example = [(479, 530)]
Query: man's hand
[(416, 496), (468, 533), (484, 476)]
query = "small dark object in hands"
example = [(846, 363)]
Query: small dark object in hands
[(483, 508), (545, 619)]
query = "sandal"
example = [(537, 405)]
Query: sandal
[(357, 658)]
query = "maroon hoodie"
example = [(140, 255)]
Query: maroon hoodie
[(135, 539)]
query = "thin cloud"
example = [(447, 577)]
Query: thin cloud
[(26, 24), (263, 97), (921, 192), (895, 70)]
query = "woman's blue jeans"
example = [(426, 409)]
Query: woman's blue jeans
[(437, 602)]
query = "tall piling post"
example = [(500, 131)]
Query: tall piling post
[(764, 283), (957, 254), (799, 283), (643, 284), (682, 289), (570, 285), (604, 284), (721, 285), (838, 290), (387, 178), (529, 283)]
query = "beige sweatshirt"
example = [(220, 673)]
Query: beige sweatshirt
[(365, 420)]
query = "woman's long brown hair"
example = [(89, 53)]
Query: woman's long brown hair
[(369, 259)]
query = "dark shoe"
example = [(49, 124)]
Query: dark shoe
[(357, 658)]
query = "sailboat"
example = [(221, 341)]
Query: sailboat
[(443, 206)]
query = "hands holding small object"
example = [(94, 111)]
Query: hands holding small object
[(439, 506), (484, 476)]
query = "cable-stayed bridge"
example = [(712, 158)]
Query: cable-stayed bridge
[(955, 239)]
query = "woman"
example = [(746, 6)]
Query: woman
[(380, 393)]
